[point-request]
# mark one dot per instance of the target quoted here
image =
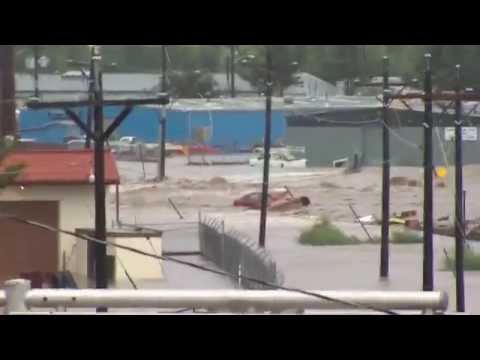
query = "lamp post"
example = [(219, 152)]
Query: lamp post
[(232, 68), (35, 70)]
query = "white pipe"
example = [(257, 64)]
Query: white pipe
[(15, 295), (234, 300)]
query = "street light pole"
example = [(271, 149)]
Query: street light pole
[(163, 118), (232, 69), (35, 71), (267, 146)]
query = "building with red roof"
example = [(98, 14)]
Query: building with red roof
[(54, 187)]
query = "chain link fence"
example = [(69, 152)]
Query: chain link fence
[(236, 254)]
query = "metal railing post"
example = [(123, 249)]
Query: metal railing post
[(223, 244), (15, 294)]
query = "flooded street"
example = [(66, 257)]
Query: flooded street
[(314, 268)]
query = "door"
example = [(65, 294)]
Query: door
[(25, 248)]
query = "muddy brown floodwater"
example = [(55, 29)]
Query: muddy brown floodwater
[(331, 191)]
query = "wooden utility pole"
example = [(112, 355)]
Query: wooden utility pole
[(267, 146), (7, 100), (428, 276), (459, 200), (384, 251), (99, 136)]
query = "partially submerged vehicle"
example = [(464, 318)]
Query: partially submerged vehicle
[(278, 200), (279, 160)]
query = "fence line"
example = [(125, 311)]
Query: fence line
[(236, 254)]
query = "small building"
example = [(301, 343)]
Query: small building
[(344, 127), (54, 188)]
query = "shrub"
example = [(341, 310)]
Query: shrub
[(471, 260), (406, 238), (399, 238), (324, 234)]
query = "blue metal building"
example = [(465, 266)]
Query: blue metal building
[(233, 124)]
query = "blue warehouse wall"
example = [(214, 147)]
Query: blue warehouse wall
[(48, 126), (231, 129)]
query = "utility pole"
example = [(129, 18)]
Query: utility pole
[(459, 199), (232, 69), (267, 146), (91, 95), (384, 251), (35, 71), (387, 97), (428, 284), (163, 118), (99, 137), (7, 106), (99, 165)]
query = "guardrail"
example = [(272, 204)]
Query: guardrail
[(19, 298)]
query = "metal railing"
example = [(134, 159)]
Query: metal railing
[(19, 298), (234, 253)]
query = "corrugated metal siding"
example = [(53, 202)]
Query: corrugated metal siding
[(231, 129), (324, 145)]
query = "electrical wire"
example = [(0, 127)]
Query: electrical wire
[(198, 267), (130, 279)]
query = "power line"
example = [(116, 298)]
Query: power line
[(196, 266)]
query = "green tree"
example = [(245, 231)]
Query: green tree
[(8, 173), (192, 84), (284, 73)]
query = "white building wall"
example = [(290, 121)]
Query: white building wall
[(138, 266), (76, 210)]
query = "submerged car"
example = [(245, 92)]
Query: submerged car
[(254, 200), (278, 200), (279, 160)]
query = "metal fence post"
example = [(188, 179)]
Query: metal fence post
[(223, 244), (240, 267), (15, 294)]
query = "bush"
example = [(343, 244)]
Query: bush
[(324, 234), (471, 260), (406, 238), (399, 238)]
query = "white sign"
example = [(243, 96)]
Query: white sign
[(468, 134)]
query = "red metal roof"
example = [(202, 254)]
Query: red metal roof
[(59, 167)]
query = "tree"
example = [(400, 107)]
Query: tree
[(192, 84), (283, 70), (8, 173)]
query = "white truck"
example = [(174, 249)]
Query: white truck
[(279, 160)]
